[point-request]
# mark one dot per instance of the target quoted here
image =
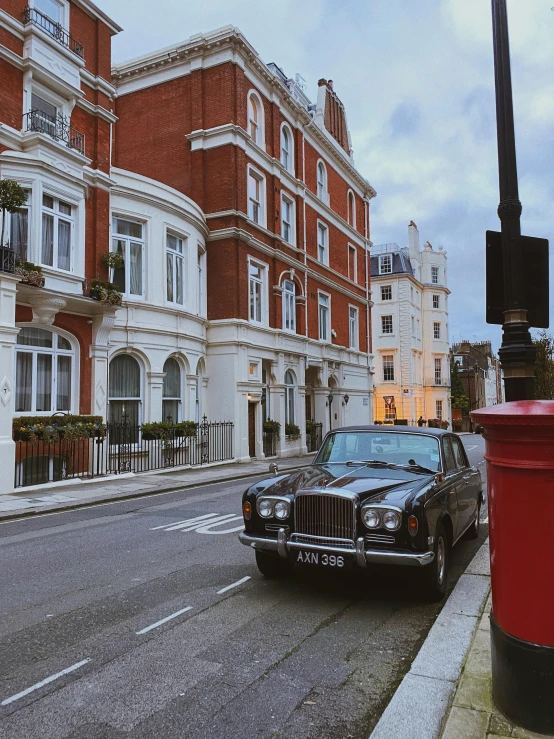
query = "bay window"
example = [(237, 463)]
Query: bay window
[(44, 364), (175, 269), (57, 232), (289, 305), (128, 241), (17, 229)]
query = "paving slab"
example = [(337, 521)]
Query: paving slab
[(463, 723), (443, 654)]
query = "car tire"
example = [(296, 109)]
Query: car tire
[(272, 566), (473, 531), (436, 574)]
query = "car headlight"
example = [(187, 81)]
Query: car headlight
[(281, 509), (392, 520), (265, 507), (371, 518)]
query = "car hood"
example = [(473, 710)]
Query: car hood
[(366, 483)]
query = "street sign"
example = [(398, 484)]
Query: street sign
[(535, 279)]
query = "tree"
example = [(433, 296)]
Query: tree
[(12, 197), (544, 366), (459, 397)]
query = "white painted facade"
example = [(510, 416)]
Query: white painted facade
[(410, 331)]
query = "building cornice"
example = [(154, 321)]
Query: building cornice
[(91, 9), (98, 83), (96, 110), (11, 57)]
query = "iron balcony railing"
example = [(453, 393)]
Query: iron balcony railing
[(7, 259), (58, 32), (58, 127)]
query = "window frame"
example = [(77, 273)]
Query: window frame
[(134, 436), (54, 352), (262, 282), (259, 177), (351, 208), (286, 132), (327, 338), (8, 236), (436, 301), (436, 330), (383, 321), (354, 321), (290, 397), (353, 251), (289, 306), (291, 203), (382, 259), (255, 101), (175, 257), (439, 414), (437, 367), (56, 216), (389, 288), (177, 398), (323, 228), (435, 273), (388, 366), (126, 257), (322, 183)]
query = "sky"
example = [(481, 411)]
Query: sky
[(417, 82)]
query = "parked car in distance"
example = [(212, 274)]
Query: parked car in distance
[(373, 495)]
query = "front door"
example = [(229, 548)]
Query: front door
[(252, 429)]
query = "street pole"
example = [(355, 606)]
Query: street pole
[(517, 352)]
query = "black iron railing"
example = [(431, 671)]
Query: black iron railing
[(58, 127), (7, 259), (123, 448), (314, 436), (58, 32), (270, 443)]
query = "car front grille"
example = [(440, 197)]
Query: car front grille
[(321, 541), (326, 515), (380, 538)]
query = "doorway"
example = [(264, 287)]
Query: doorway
[(252, 429)]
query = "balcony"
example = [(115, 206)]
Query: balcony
[(57, 127), (34, 16), (437, 382), (7, 260)]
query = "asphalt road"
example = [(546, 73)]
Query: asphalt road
[(148, 618)]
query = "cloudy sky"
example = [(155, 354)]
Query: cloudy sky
[(417, 82)]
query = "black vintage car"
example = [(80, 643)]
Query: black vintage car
[(373, 495)]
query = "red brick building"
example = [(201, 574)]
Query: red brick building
[(288, 218)]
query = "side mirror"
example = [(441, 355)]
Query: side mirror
[(439, 478), (273, 468)]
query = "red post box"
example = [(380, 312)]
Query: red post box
[(520, 475)]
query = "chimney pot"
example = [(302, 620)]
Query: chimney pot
[(322, 82), (330, 84)]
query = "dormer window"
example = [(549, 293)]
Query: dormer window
[(385, 264)]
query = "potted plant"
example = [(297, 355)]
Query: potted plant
[(444, 424), (155, 431), (185, 428), (292, 431), (30, 273), (12, 198), (105, 292), (112, 260), (272, 427), (311, 428)]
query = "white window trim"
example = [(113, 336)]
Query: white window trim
[(393, 355), (65, 14), (285, 197), (169, 231), (322, 191), (387, 300), (75, 367), (326, 228), (354, 277), (387, 333), (57, 215), (351, 213), (285, 127), (252, 171), (435, 324), (433, 268), (284, 306), (356, 345), (382, 258), (254, 94), (113, 235), (200, 288), (290, 390), (142, 389), (182, 386), (264, 282), (329, 339)]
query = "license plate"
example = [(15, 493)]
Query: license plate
[(322, 559)]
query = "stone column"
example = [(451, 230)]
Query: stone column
[(101, 329), (156, 381), (8, 335)]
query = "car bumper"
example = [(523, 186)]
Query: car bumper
[(284, 546)]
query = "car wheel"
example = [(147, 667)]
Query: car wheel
[(473, 531), (272, 566), (436, 574)]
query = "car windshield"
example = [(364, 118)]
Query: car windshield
[(393, 448)]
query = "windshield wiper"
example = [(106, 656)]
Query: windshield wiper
[(417, 467), (369, 463)]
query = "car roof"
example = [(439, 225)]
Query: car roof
[(396, 429)]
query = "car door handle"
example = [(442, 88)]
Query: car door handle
[(467, 477)]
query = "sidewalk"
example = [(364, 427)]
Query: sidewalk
[(78, 493), (447, 692)]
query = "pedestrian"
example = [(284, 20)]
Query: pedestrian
[(420, 421)]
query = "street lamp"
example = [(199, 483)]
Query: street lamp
[(346, 399)]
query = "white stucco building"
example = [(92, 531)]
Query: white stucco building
[(410, 331)]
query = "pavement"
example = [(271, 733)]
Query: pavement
[(447, 692), (73, 493)]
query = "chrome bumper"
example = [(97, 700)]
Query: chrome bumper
[(283, 546)]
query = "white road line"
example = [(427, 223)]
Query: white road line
[(234, 585), (164, 620), (469, 448), (186, 521), (44, 682)]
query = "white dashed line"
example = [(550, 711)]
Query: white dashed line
[(234, 585), (44, 682), (164, 620)]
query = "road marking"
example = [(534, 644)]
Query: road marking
[(44, 682), (164, 620), (469, 448), (234, 585), (204, 524)]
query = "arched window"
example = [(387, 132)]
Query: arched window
[(351, 209), (289, 305), (171, 403), (290, 398), (286, 148), (124, 390), (255, 119), (321, 181), (44, 368)]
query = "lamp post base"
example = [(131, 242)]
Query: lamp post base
[(523, 681)]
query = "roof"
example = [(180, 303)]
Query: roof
[(401, 264), (425, 431)]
